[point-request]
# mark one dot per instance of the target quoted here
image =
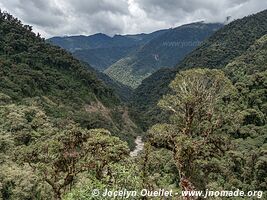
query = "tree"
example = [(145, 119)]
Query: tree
[(193, 134), (59, 158)]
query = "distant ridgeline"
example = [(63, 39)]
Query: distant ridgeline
[(100, 50), (166, 50), (129, 59), (222, 49), (64, 132)]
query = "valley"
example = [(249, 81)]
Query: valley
[(137, 56), (138, 148), (177, 109)]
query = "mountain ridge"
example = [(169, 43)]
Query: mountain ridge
[(163, 51), (100, 50), (147, 95)]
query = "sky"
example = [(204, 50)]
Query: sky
[(86, 17)]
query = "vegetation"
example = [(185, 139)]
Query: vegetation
[(57, 119), (63, 132), (217, 139), (228, 42), (34, 72), (102, 58), (194, 133)]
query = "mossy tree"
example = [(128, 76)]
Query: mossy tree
[(193, 135)]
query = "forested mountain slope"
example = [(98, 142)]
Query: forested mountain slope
[(215, 124), (163, 51), (220, 49), (35, 72), (57, 119), (206, 131)]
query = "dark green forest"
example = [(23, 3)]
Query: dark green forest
[(66, 129)]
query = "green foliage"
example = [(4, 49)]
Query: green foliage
[(34, 68), (36, 73), (227, 43), (124, 92), (50, 153), (123, 175), (50, 107), (241, 163), (194, 133), (59, 158), (21, 183), (249, 74), (56, 120), (143, 103)]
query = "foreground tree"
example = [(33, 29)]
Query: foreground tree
[(60, 158), (194, 133)]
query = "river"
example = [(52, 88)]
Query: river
[(139, 146)]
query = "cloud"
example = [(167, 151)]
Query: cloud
[(72, 17), (184, 11)]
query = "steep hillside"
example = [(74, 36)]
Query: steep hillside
[(36, 73), (231, 144), (226, 44), (99, 50), (163, 51), (252, 62)]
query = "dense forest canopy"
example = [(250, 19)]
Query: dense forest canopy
[(34, 71), (65, 133)]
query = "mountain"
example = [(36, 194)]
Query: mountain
[(220, 49), (238, 53), (229, 147), (163, 51), (34, 72), (129, 59), (100, 50), (63, 131)]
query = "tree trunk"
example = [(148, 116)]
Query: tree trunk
[(57, 194)]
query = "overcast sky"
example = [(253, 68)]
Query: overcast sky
[(76, 17)]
